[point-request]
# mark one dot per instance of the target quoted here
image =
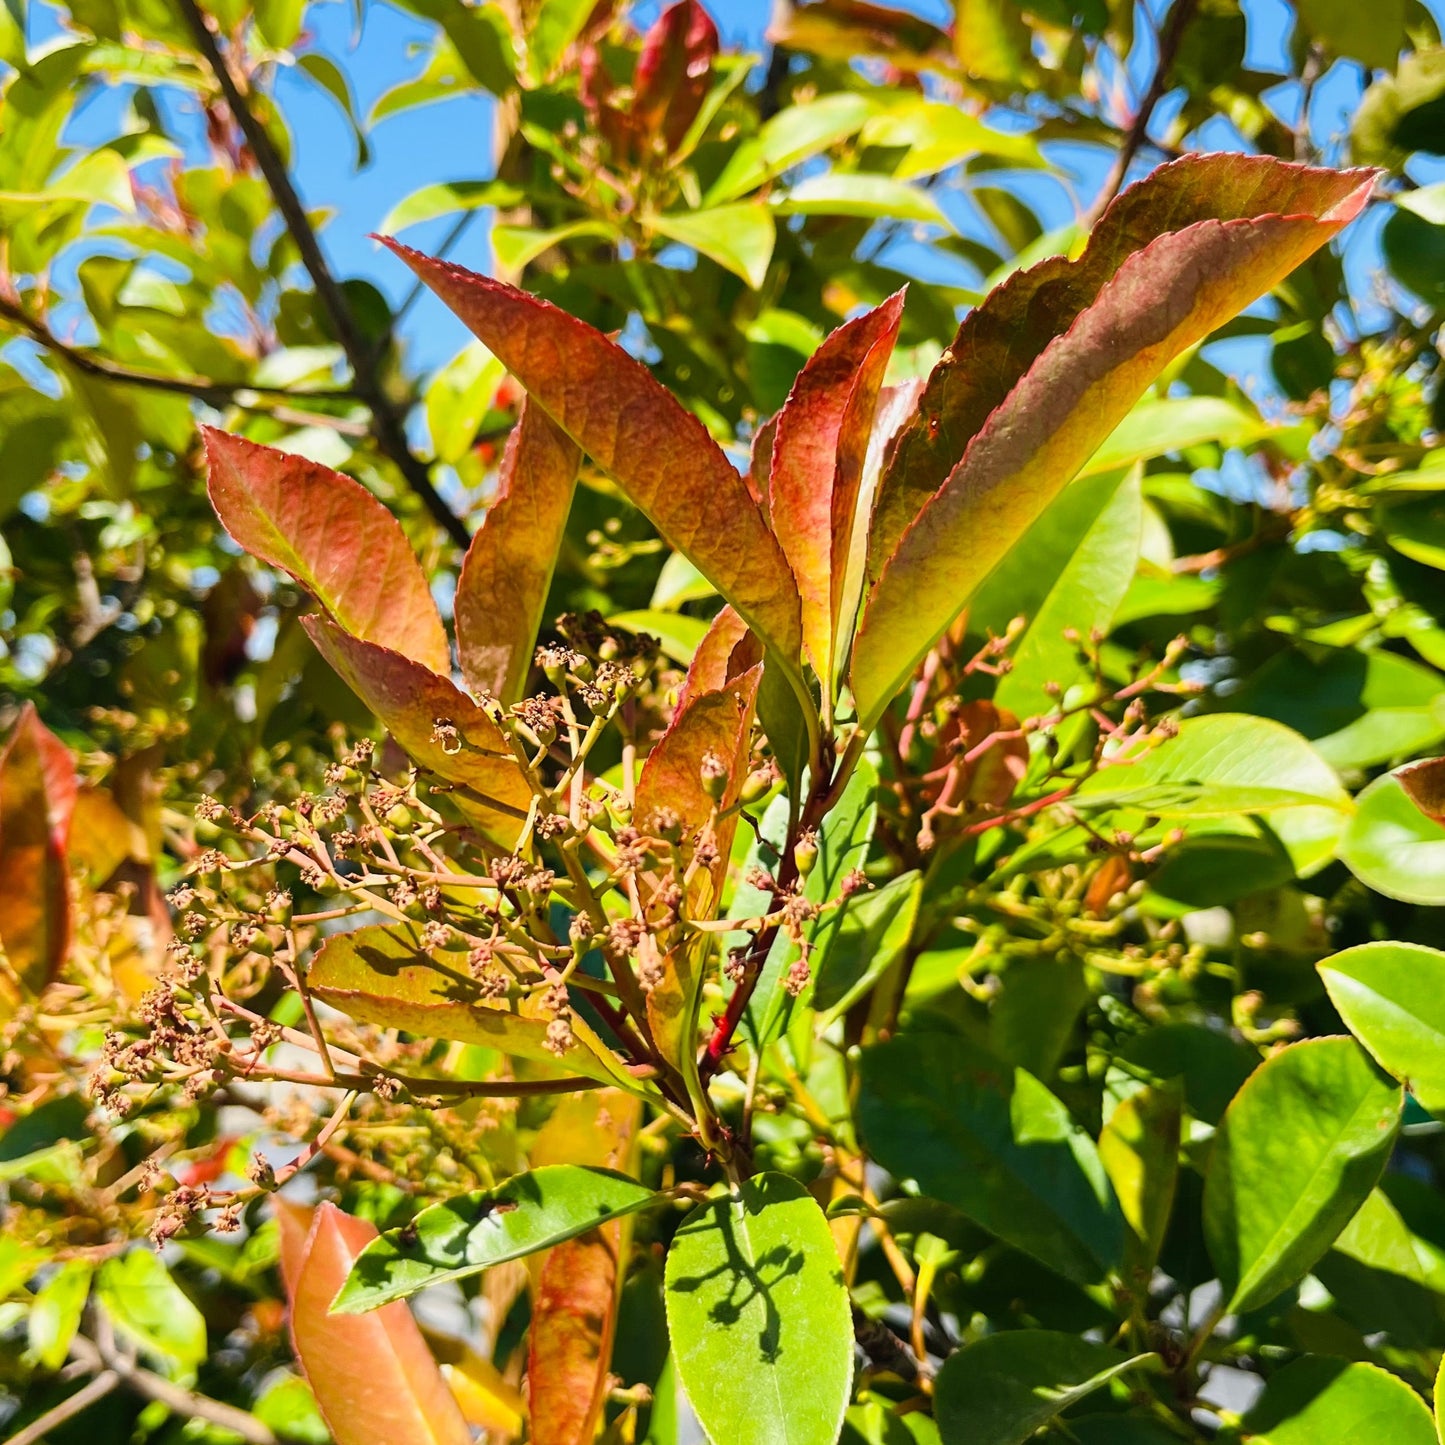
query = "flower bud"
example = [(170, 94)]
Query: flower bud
[(805, 853), (714, 774)]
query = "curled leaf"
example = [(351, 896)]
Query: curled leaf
[(502, 590), (1041, 373)]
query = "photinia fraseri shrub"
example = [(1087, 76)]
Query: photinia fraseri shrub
[(670, 911)]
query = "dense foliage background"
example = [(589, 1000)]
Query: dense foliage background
[(1249, 571)]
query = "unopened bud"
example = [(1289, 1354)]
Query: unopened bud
[(714, 774), (805, 853), (756, 786)]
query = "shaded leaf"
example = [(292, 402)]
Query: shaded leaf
[(502, 591), (661, 455), (1139, 1149), (994, 1143), (1297, 1153), (373, 1376), (334, 538), (38, 791), (999, 1390), (1043, 371), (758, 1316), (383, 976)]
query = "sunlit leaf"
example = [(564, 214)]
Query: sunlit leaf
[(1296, 1154), (758, 1317), (373, 1376), (1048, 366), (1316, 1399), (1393, 847), (502, 591), (334, 538), (151, 1310), (738, 237)]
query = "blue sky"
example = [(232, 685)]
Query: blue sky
[(452, 140)]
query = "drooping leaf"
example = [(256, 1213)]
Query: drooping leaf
[(812, 489), (574, 1314), (1393, 847), (473, 1232), (758, 1316), (1315, 1399), (1392, 997), (660, 455), (1296, 1154), (1043, 371), (38, 791), (382, 975), (150, 1309), (446, 198), (999, 1390), (334, 538), (996, 1145), (373, 1376), (411, 701), (502, 590)]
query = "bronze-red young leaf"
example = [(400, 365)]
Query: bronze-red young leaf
[(337, 540), (635, 430), (372, 1374), (502, 590), (1182, 252), (807, 486), (411, 701), (38, 790)]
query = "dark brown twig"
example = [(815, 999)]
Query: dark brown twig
[(386, 423), (1138, 132)]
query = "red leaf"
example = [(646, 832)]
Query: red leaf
[(333, 537), (574, 1314), (38, 789), (673, 71), (410, 701), (502, 591), (1043, 371), (373, 1376), (816, 464), (622, 417)]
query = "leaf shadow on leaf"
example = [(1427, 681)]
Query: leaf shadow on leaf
[(458, 986), (750, 1280)]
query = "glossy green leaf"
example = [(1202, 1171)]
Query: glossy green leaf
[(148, 1308), (502, 591), (1210, 1064), (1392, 997), (791, 136), (1044, 370), (1069, 571), (446, 198), (738, 237), (758, 1316), (473, 1232), (1392, 847), (1220, 764), (1316, 1399), (373, 1376), (334, 538), (999, 1390), (868, 197), (995, 1144), (1296, 1154), (873, 931), (458, 399), (1160, 425), (516, 247), (935, 135), (383, 976), (662, 456), (1416, 528)]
